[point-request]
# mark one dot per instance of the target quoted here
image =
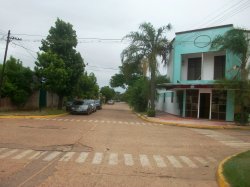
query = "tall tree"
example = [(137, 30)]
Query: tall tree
[(61, 42), (237, 41), (19, 82), (145, 46), (87, 87), (107, 92)]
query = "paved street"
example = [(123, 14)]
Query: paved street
[(111, 147)]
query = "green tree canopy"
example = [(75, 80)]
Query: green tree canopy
[(60, 46), (18, 80), (107, 92), (87, 87)]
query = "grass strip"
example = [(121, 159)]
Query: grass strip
[(237, 170)]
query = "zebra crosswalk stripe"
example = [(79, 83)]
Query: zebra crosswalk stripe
[(97, 158), (67, 156), (23, 154), (189, 162), (113, 159), (128, 160), (174, 161), (82, 157), (201, 160), (11, 152), (159, 161), (144, 160), (38, 154), (52, 155)]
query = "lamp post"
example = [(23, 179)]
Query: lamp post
[(41, 95)]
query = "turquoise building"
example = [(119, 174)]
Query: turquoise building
[(193, 70)]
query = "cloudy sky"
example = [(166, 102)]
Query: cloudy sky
[(108, 19)]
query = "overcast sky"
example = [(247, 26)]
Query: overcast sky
[(109, 19)]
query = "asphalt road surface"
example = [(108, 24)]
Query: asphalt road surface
[(111, 147)]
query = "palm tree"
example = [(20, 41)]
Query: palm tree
[(238, 43), (147, 45)]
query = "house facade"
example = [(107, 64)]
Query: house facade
[(193, 70)]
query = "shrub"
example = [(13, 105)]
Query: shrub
[(151, 113), (237, 118)]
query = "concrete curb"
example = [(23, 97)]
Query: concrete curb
[(31, 117), (191, 125), (221, 180)]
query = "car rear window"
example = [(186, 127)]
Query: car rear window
[(78, 102)]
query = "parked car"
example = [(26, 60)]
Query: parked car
[(110, 102), (91, 102), (68, 105), (98, 104), (80, 107)]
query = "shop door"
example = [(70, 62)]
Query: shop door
[(204, 105)]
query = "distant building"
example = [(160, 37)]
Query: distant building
[(193, 70)]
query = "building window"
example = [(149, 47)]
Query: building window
[(219, 67), (192, 103), (194, 68), (219, 102), (164, 97)]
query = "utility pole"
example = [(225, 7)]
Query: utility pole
[(4, 61)]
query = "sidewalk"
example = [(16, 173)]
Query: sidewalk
[(168, 119)]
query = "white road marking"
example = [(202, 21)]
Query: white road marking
[(82, 157), (97, 158), (144, 160), (66, 120), (201, 160), (224, 139), (113, 159), (102, 121), (54, 119), (174, 161), (72, 120), (78, 120), (2, 149), (128, 160), (23, 154), (159, 161), (189, 162), (90, 121), (11, 152), (37, 155), (52, 155), (67, 156), (60, 119)]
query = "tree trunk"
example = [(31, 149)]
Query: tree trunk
[(244, 77), (60, 102), (152, 87)]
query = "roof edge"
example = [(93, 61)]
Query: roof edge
[(207, 28)]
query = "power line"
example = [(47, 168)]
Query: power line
[(222, 14), (27, 50)]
